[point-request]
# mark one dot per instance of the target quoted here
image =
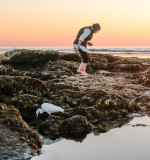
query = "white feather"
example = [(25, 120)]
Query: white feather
[(49, 108)]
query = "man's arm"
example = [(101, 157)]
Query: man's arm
[(82, 37), (85, 34), (79, 43)]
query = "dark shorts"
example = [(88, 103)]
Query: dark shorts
[(85, 56)]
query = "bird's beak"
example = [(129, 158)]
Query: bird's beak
[(37, 115)]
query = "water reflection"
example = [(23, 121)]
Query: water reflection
[(122, 143), (48, 141)]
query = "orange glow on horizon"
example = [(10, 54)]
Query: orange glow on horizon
[(56, 23)]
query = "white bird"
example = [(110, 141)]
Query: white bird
[(49, 108)]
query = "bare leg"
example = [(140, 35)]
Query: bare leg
[(80, 68), (84, 69)]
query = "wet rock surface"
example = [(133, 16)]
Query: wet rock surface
[(51, 126), (145, 78), (29, 57), (16, 136), (115, 88), (75, 127), (11, 146)]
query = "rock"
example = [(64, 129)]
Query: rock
[(91, 113), (9, 70), (114, 63), (124, 64), (105, 126), (105, 73), (15, 85), (114, 114), (51, 126), (1, 138), (124, 113), (75, 127), (98, 62), (28, 104), (105, 101), (30, 78), (144, 101), (3, 107), (60, 86), (71, 65), (13, 120), (49, 75), (29, 57), (59, 65), (12, 147), (145, 78), (75, 57), (66, 93)]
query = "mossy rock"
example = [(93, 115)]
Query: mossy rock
[(75, 127), (112, 104), (14, 85), (13, 120), (51, 126), (28, 104), (145, 78), (75, 57), (91, 113), (29, 57)]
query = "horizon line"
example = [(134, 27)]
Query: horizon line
[(72, 46)]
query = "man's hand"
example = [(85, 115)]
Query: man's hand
[(90, 44)]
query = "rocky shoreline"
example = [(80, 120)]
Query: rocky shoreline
[(115, 88)]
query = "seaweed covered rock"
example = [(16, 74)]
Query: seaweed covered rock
[(9, 70), (56, 87), (66, 93), (3, 106), (113, 105), (91, 113), (43, 73), (13, 120), (114, 63), (70, 57), (49, 75), (145, 78), (144, 101), (1, 138), (98, 62), (105, 126), (51, 126), (62, 64), (75, 127), (14, 85), (28, 104), (11, 147), (124, 64), (29, 57)]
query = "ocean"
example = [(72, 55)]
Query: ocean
[(138, 51)]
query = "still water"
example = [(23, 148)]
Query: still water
[(129, 142)]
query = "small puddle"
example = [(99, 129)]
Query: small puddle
[(129, 142)]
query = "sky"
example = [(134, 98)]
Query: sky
[(56, 22)]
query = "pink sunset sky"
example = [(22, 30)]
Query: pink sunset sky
[(56, 22)]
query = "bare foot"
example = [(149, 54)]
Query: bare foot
[(84, 74), (79, 71)]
